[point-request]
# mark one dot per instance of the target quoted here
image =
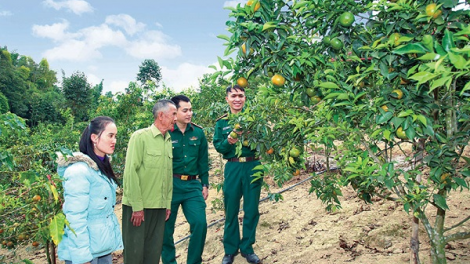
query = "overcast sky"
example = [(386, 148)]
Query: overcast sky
[(108, 40)]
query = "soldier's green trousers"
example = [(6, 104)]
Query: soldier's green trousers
[(188, 194), (237, 184)]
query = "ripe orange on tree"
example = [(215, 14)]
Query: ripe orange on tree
[(35, 244), (346, 19), (296, 172), (257, 6), (270, 151), (37, 198), (336, 44), (433, 11), (397, 93), (401, 134), (278, 80), (244, 49), (242, 82)]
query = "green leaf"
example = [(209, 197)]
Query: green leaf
[(329, 85), (27, 261), (460, 182), (269, 25), (422, 119), (387, 134), (448, 40), (384, 118), (56, 228), (440, 201), (457, 60), (224, 37), (405, 113), (429, 56), (410, 48), (440, 82), (465, 88), (423, 77)]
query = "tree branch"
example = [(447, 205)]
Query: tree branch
[(458, 224), (457, 236)]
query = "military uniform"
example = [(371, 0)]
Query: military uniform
[(238, 176), (190, 161)]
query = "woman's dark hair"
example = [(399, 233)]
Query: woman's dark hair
[(86, 146)]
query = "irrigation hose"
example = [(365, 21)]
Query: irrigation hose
[(265, 198)]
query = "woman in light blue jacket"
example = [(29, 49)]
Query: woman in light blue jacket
[(90, 195)]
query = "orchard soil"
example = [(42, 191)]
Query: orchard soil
[(298, 230)]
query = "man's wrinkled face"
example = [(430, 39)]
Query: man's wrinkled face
[(169, 117)]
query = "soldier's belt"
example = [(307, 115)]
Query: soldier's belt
[(185, 177), (242, 159)]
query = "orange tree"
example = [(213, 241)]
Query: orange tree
[(397, 74)]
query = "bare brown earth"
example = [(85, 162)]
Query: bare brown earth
[(299, 230)]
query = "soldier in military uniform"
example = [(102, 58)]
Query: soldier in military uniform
[(238, 176), (190, 183)]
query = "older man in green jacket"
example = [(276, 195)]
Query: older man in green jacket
[(148, 187)]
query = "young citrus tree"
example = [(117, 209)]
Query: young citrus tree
[(362, 84)]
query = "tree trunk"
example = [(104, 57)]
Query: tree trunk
[(414, 242)]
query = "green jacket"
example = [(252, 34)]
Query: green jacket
[(222, 130), (148, 174), (190, 152)]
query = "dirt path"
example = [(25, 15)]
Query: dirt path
[(299, 230)]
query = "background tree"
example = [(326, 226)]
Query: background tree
[(12, 85), (78, 94)]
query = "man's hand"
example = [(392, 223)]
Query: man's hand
[(137, 218), (232, 140), (168, 213), (205, 192)]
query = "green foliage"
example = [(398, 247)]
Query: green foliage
[(397, 67), (149, 73), (4, 107), (78, 95)]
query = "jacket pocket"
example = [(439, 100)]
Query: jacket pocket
[(101, 237), (152, 158)]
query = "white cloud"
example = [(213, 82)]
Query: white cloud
[(126, 22), (72, 50), (55, 31), (102, 36), (115, 86), (184, 76), (87, 43), (233, 3), (153, 45), (76, 6), (93, 79), (5, 13)]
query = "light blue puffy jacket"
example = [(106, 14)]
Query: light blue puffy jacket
[(89, 208)]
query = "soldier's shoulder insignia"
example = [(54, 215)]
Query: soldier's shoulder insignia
[(222, 117), (196, 125)]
